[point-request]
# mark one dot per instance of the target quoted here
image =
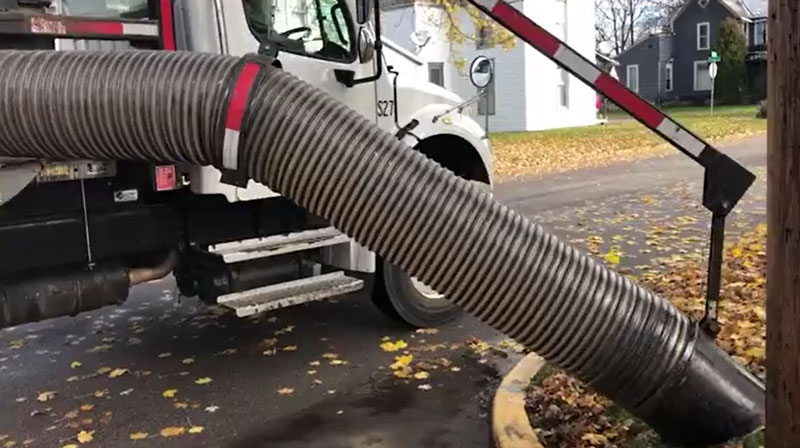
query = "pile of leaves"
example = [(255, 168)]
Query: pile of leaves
[(559, 150), (566, 413)]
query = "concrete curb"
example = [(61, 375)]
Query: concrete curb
[(510, 425)]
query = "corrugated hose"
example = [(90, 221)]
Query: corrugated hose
[(621, 339)]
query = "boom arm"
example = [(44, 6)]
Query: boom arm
[(725, 180)]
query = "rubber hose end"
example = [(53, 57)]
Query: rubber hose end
[(718, 400)]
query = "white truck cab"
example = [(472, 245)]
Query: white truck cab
[(244, 247)]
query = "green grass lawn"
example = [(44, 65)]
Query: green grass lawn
[(557, 150)]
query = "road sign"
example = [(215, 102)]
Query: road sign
[(712, 70)]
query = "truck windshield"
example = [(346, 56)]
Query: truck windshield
[(317, 28), (104, 8)]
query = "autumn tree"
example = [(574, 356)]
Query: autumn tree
[(732, 48)]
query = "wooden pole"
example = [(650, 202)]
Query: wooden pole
[(783, 224)]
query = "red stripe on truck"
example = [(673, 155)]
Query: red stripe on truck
[(629, 101), (167, 28), (94, 27), (523, 27), (241, 90)]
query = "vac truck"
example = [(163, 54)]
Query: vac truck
[(224, 164), (75, 235)]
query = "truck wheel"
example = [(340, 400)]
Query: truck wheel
[(408, 300)]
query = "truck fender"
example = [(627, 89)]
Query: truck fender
[(454, 140)]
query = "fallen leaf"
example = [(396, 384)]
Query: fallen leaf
[(612, 258), (75, 364), (595, 439), (100, 393), (313, 363), (455, 369), (172, 431), (72, 379), (311, 372), (228, 351), (337, 362), (188, 361), (393, 346), (169, 393), (424, 387), (19, 400), (289, 348), (126, 392), (285, 391), (421, 375), (330, 391), (316, 382), (180, 405), (103, 370), (100, 348), (212, 409), (138, 435), (196, 429), (427, 330), (330, 355), (203, 380), (69, 445), (401, 361), (116, 373), (85, 436), (403, 373), (87, 407), (164, 355), (46, 395)]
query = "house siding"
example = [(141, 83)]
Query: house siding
[(646, 55), (685, 45)]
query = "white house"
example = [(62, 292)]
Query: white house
[(529, 92)]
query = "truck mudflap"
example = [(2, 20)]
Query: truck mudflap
[(628, 343)]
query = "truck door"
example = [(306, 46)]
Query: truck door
[(312, 38)]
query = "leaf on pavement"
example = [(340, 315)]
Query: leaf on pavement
[(595, 439), (427, 330), (46, 396), (103, 370), (311, 372), (138, 435), (421, 375), (203, 380), (180, 405), (116, 373), (329, 356), (389, 346), (85, 436), (228, 351), (612, 258), (172, 431), (285, 391), (196, 429), (164, 355), (289, 348), (188, 361), (102, 348), (169, 393), (75, 364), (69, 445), (401, 361), (424, 387), (212, 409), (337, 362), (87, 407), (313, 363), (126, 392), (100, 393)]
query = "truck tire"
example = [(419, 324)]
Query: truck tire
[(408, 300), (405, 299)]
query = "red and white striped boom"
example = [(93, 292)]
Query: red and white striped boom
[(572, 61)]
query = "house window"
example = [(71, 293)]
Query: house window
[(703, 31), (668, 77), (632, 77), (486, 101), (563, 88), (746, 31), (702, 81), (483, 38), (436, 73), (759, 33)]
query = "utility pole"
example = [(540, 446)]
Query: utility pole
[(783, 223)]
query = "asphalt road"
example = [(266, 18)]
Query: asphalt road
[(343, 392)]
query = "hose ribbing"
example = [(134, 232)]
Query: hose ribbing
[(628, 343)]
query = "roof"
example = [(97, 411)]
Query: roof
[(743, 9)]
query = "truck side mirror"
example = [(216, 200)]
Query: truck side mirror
[(362, 11), (481, 71), (365, 44)]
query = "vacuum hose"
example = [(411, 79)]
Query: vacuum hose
[(621, 339)]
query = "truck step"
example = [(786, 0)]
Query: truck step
[(250, 249), (295, 292)]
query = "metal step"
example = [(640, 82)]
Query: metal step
[(295, 292), (250, 249)]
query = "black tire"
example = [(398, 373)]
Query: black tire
[(395, 295)]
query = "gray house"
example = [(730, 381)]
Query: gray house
[(672, 65)]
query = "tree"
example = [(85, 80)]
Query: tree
[(732, 48), (783, 225), (621, 22)]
